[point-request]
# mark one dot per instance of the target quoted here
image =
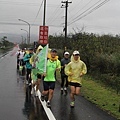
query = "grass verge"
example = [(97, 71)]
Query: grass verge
[(104, 97)]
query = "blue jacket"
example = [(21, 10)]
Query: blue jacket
[(26, 59)]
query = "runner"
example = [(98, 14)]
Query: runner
[(35, 75), (53, 64), (75, 70), (26, 59), (21, 56), (18, 54), (64, 77)]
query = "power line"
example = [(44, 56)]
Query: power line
[(82, 8), (38, 11), (92, 10), (87, 9), (55, 17), (53, 14), (74, 6)]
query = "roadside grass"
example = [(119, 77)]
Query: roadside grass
[(105, 98)]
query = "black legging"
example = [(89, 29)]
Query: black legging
[(21, 62), (27, 75), (63, 80)]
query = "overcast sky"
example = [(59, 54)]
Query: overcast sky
[(81, 14)]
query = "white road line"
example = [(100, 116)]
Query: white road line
[(47, 110)]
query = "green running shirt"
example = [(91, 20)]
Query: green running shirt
[(50, 70)]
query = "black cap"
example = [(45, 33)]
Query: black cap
[(54, 50)]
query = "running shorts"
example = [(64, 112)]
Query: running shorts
[(48, 85), (75, 84)]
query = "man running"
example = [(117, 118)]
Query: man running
[(26, 59), (53, 64), (64, 77), (18, 54), (21, 56), (75, 70)]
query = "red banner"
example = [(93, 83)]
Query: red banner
[(43, 35)]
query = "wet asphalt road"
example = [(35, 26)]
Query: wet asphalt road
[(13, 103), (14, 106)]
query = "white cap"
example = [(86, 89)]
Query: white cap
[(76, 52), (66, 53)]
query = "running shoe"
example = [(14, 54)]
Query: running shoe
[(72, 104), (61, 91), (65, 91), (42, 98), (30, 84), (65, 88), (48, 104)]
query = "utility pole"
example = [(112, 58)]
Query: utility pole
[(42, 28), (44, 16), (66, 10)]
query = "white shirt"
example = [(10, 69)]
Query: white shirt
[(21, 55)]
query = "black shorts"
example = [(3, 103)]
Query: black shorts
[(48, 85), (75, 84)]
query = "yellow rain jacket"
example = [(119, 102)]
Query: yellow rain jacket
[(75, 69), (32, 62), (32, 59)]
